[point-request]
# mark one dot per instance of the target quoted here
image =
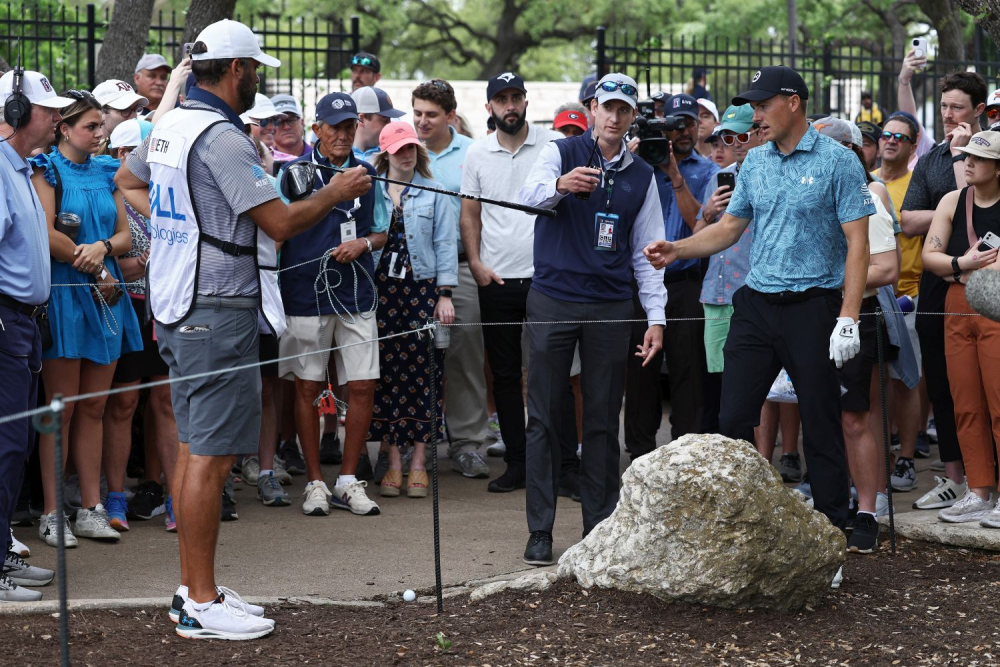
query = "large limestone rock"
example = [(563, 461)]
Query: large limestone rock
[(706, 520)]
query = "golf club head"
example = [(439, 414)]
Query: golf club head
[(298, 180)]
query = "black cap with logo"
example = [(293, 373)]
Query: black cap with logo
[(771, 81), (503, 82)]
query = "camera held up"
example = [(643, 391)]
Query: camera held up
[(654, 147)]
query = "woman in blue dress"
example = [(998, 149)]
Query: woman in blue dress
[(92, 325)]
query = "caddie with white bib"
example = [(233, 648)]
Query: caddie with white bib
[(212, 288)]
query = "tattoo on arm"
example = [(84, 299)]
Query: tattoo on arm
[(935, 242)]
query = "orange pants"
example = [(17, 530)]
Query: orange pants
[(972, 349)]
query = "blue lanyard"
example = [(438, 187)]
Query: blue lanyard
[(319, 174)]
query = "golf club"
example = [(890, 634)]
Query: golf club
[(298, 180)]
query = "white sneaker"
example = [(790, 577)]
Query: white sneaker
[(991, 520), (970, 508), (224, 619), (280, 472), (95, 524), (181, 596), (945, 494), (838, 578), (49, 524), (23, 574), (497, 449), (18, 547), (11, 592), (251, 470), (493, 427), (353, 497), (317, 499), (881, 504)]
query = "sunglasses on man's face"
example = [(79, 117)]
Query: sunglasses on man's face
[(612, 86), (265, 123), (742, 137), (364, 61), (81, 95), (898, 136), (437, 83)]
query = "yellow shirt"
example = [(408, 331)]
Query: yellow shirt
[(911, 266), (873, 115)]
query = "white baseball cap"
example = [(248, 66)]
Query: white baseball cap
[(36, 87), (994, 99), (616, 92), (710, 105), (231, 39), (130, 133), (118, 95), (263, 108), (287, 104), (151, 61)]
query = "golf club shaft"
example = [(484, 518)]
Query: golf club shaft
[(506, 204)]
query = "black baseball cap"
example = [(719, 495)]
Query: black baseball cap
[(335, 108), (771, 81), (870, 130), (590, 92), (681, 104), (365, 59), (503, 82)]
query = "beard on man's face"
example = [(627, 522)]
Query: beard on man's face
[(248, 90), (509, 128)]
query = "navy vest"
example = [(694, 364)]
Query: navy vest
[(567, 266), (297, 285)]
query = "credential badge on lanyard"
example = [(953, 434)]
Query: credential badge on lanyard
[(349, 228)]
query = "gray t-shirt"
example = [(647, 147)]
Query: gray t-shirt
[(224, 163)]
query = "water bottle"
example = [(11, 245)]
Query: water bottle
[(442, 337), (906, 304)]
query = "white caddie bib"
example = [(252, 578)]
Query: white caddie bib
[(175, 233)]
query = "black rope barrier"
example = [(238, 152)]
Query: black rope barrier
[(879, 323)]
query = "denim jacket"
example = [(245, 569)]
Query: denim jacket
[(905, 364), (431, 224)]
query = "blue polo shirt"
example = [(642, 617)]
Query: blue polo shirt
[(697, 171), (367, 155), (674, 227), (26, 271), (798, 203), (446, 167)]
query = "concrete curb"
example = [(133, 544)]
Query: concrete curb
[(925, 526), (427, 597)]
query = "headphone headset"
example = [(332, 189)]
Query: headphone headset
[(17, 108)]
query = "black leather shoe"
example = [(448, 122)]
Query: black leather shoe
[(329, 449), (539, 549), (569, 485), (511, 479), (365, 471)]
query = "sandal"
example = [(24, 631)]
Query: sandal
[(416, 484), (391, 483)]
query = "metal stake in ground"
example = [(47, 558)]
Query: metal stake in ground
[(879, 323), (51, 422), (432, 359)]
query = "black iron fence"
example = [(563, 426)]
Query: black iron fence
[(836, 73), (64, 43)]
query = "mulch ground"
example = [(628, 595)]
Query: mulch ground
[(927, 605)]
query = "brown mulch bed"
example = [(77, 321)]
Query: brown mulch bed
[(928, 605)]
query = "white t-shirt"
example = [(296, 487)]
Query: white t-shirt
[(881, 236), (508, 236)]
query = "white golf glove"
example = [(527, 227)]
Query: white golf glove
[(845, 341)]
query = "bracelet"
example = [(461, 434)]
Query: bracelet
[(107, 244), (683, 183), (901, 82), (369, 244)]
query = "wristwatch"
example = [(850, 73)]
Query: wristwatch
[(107, 244), (956, 270), (445, 291), (369, 244)]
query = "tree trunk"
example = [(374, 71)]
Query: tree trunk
[(987, 14), (203, 13), (125, 40), (946, 18)]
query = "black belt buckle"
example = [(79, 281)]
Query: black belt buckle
[(37, 310), (786, 297)]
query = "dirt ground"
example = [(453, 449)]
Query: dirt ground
[(928, 605)]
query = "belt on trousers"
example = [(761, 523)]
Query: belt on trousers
[(795, 297), (678, 276), (23, 308), (241, 302)]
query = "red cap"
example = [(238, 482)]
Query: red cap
[(396, 135), (570, 117)]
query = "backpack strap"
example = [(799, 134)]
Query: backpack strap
[(970, 196), (58, 188)]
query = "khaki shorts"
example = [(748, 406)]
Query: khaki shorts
[(357, 362)]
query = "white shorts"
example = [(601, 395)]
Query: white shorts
[(358, 362), (911, 330)]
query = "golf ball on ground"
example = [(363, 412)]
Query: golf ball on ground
[(409, 596)]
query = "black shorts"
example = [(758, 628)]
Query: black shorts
[(268, 352), (134, 366), (856, 375)]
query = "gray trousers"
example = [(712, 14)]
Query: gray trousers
[(464, 377), (603, 355)]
